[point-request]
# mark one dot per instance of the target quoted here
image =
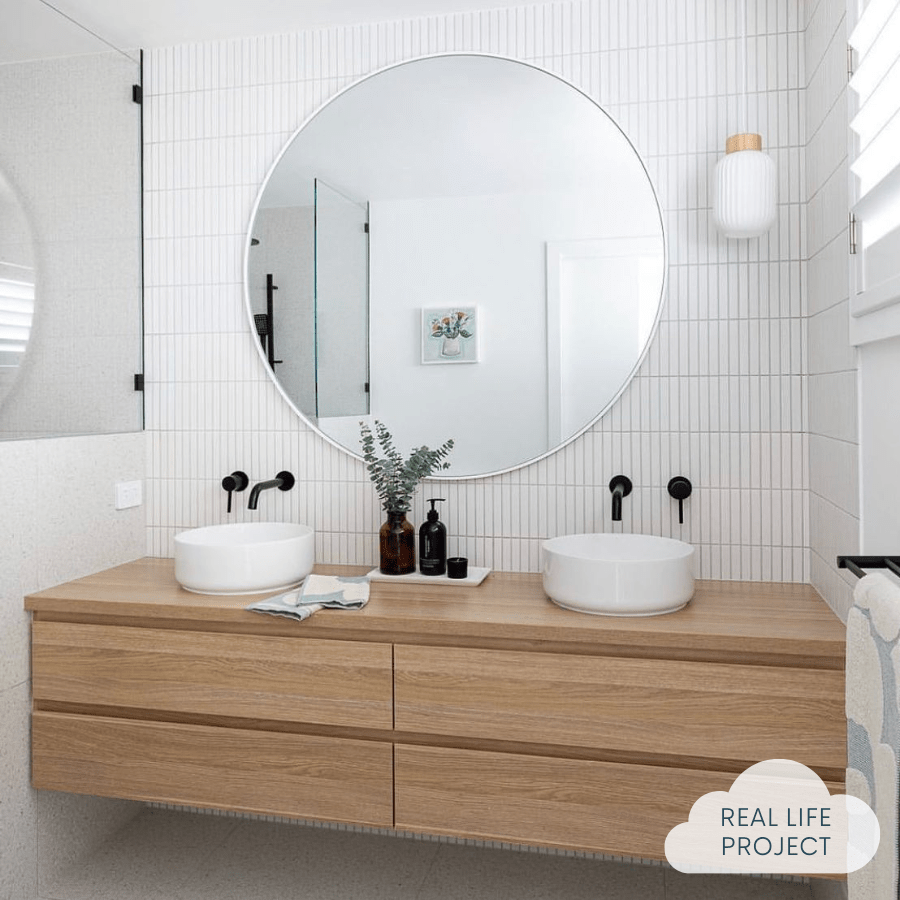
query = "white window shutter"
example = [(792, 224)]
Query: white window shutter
[(875, 161)]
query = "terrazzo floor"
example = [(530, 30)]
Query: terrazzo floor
[(169, 855)]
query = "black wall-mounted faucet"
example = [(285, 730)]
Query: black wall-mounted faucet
[(236, 481), (680, 488), (284, 481), (620, 486)]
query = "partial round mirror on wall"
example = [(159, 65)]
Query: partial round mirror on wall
[(16, 288), (461, 246)]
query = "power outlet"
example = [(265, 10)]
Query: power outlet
[(129, 493)]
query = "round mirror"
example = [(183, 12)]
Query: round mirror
[(460, 246), (16, 287)]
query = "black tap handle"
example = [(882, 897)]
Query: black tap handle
[(621, 481), (287, 481), (680, 489), (236, 481)]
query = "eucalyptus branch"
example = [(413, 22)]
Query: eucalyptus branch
[(396, 479)]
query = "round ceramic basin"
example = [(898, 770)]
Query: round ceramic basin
[(618, 574), (244, 558)]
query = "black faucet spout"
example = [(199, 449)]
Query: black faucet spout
[(620, 486), (284, 481)]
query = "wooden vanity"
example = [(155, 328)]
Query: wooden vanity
[(484, 712)]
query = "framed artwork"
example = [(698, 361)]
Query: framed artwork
[(450, 335)]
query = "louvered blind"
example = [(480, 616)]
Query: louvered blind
[(875, 154), (16, 312)]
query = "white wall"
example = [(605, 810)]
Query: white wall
[(416, 249), (720, 398), (505, 392), (58, 523), (879, 375), (833, 439)]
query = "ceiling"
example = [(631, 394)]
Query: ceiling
[(36, 29)]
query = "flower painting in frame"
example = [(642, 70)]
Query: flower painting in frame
[(450, 335)]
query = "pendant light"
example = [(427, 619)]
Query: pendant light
[(744, 186)]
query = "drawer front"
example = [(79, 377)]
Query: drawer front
[(227, 768), (249, 676), (577, 804), (715, 711)]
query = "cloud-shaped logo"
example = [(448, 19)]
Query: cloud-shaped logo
[(777, 818)]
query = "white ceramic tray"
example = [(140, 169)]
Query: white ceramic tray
[(475, 577)]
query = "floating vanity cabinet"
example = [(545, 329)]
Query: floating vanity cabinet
[(254, 722), (483, 712), (598, 753)]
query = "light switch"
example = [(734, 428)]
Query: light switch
[(129, 493)]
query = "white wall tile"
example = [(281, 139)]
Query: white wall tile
[(832, 363), (720, 397)]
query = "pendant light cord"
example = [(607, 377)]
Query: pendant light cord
[(742, 109)]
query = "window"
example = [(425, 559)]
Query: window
[(875, 165), (16, 313)]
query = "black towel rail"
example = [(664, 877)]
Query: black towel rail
[(856, 564)]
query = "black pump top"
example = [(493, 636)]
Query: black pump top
[(433, 513)]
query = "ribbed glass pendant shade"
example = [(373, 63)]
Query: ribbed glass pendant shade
[(744, 188)]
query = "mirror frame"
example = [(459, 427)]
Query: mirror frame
[(662, 290)]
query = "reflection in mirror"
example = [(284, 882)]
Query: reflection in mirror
[(451, 189), (16, 287), (69, 212)]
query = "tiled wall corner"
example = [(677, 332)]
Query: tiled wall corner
[(721, 397), (58, 523), (833, 429)]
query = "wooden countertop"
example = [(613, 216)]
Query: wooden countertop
[(762, 623)]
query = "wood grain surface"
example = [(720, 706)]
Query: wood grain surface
[(720, 711), (484, 712), (749, 621), (256, 676), (221, 768), (577, 804)]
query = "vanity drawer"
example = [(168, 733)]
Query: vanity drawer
[(577, 804), (706, 710), (274, 773), (204, 673)]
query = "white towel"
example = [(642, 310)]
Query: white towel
[(881, 597), (317, 592), (873, 722)]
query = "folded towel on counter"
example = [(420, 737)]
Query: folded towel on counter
[(873, 725), (317, 592)]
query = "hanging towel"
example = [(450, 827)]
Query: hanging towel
[(317, 592), (873, 725)]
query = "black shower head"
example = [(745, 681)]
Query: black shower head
[(254, 242), (262, 324)]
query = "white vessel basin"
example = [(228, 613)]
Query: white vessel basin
[(244, 558), (618, 574)]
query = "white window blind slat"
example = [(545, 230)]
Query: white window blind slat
[(24, 305), (16, 312), (875, 155), (16, 290), (875, 60), (869, 121), (871, 20), (880, 158), (14, 318)]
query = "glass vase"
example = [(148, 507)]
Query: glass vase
[(397, 543)]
